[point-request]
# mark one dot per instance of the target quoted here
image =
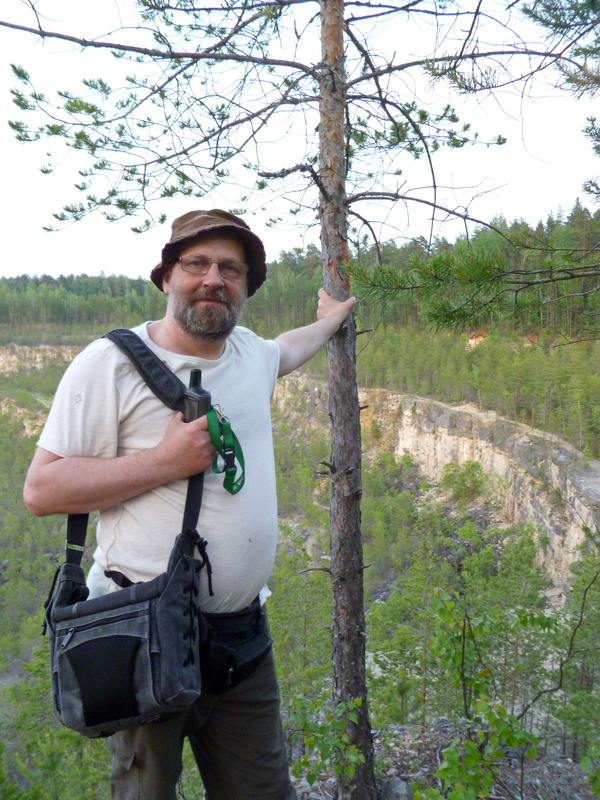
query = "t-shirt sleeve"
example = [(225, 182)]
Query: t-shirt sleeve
[(264, 354), (83, 419), (272, 353)]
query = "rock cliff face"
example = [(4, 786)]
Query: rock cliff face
[(16, 356), (542, 479)]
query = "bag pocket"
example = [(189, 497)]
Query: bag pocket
[(102, 668)]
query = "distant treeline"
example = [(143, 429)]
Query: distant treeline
[(26, 303), (504, 365), (287, 299)]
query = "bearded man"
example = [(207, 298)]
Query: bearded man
[(110, 445)]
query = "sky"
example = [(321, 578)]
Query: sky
[(540, 171)]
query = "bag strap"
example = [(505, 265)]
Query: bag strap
[(169, 390), (76, 531), (163, 382)]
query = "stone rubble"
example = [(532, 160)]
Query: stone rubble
[(408, 755)]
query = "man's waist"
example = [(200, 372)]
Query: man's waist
[(234, 622)]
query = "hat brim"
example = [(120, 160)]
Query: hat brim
[(257, 262)]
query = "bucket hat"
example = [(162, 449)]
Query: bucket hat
[(196, 223)]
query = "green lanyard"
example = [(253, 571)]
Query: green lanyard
[(228, 450)]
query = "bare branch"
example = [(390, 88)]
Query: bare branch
[(168, 55), (570, 651)]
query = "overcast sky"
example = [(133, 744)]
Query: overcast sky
[(539, 172)]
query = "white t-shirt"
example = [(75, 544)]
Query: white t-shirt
[(104, 409)]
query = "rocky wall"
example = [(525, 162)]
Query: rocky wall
[(542, 479)]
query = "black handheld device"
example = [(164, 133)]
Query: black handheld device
[(197, 401)]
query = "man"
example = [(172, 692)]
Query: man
[(110, 445)]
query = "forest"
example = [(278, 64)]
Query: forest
[(457, 624)]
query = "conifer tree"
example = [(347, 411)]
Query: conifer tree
[(209, 88)]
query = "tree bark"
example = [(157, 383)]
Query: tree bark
[(348, 622)]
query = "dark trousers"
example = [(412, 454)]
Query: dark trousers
[(236, 738)]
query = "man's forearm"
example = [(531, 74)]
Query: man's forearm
[(299, 345), (78, 484)]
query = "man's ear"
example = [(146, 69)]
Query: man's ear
[(166, 280)]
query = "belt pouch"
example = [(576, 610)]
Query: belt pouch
[(235, 645)]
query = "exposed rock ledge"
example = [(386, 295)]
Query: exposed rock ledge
[(14, 357), (17, 356), (544, 480)]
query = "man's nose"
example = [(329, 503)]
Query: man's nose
[(213, 276)]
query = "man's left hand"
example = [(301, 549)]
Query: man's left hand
[(336, 310)]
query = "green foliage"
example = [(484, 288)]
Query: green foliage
[(493, 574), (51, 761), (466, 481), (34, 308), (468, 768), (323, 733), (30, 548), (469, 764), (9, 787), (300, 619), (578, 709), (559, 18), (32, 389), (514, 275), (386, 525), (591, 768)]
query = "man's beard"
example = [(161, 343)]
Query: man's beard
[(206, 322)]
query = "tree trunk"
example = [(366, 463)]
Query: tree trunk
[(348, 623)]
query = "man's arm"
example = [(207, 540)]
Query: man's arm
[(299, 345), (79, 484)]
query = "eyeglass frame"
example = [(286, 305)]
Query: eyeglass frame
[(234, 263)]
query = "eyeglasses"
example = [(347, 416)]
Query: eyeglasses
[(230, 269)]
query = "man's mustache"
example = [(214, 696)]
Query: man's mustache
[(217, 294)]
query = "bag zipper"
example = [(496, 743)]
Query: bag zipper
[(118, 618)]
